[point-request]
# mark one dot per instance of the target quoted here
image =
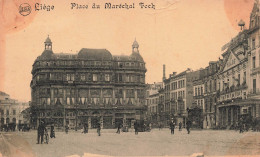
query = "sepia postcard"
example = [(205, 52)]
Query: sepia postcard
[(108, 78)]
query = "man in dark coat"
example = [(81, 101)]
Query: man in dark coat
[(172, 126), (180, 126), (85, 128), (98, 129), (136, 128), (52, 135), (118, 128), (188, 125), (40, 132)]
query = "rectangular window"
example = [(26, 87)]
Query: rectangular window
[(95, 77), (253, 62), (238, 79), (120, 78), (126, 78), (253, 43), (254, 86), (70, 77), (82, 77), (14, 112), (107, 77), (244, 77), (7, 112)]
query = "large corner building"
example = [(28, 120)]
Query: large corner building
[(88, 87)]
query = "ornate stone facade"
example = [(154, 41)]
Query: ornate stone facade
[(88, 87)]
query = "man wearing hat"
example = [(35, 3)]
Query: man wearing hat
[(172, 126), (40, 131)]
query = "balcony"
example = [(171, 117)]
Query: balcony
[(254, 92), (255, 70)]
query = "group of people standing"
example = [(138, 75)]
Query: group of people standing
[(42, 133), (172, 126)]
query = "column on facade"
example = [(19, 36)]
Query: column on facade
[(124, 96), (113, 119), (222, 116), (124, 120), (64, 103), (101, 122), (113, 96), (89, 122), (257, 110), (136, 98), (217, 116), (52, 96), (232, 115), (101, 96), (89, 96), (226, 120)]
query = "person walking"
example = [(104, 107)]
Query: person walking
[(118, 128), (40, 133), (188, 125), (136, 127), (67, 129), (172, 126), (86, 128), (98, 129), (180, 126), (52, 135), (150, 126)]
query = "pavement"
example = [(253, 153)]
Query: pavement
[(154, 143)]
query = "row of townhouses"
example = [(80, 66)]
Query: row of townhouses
[(221, 95)]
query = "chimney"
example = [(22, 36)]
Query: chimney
[(164, 78)]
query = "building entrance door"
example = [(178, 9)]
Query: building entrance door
[(107, 122), (94, 121)]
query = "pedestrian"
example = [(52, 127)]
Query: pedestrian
[(188, 125), (150, 126), (160, 126), (67, 128), (180, 126), (40, 132), (118, 128), (86, 128), (52, 135), (172, 126), (136, 127), (98, 129)]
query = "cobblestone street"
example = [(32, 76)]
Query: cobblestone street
[(155, 143)]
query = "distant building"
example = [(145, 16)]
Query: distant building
[(179, 94), (10, 110), (92, 86), (152, 101), (153, 88)]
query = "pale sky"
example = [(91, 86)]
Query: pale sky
[(180, 34)]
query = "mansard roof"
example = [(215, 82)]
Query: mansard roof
[(94, 54), (137, 56), (47, 54)]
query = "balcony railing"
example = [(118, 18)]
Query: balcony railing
[(253, 92), (255, 70)]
